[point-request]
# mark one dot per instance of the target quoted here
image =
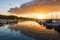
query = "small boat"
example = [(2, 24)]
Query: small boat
[(51, 23)]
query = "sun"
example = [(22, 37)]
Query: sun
[(40, 16)]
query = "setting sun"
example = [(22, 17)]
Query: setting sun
[(40, 16)]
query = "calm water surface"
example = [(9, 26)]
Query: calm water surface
[(28, 30)]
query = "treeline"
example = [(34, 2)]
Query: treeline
[(28, 19), (15, 17), (8, 17)]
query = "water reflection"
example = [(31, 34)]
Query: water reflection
[(8, 23), (7, 34), (36, 31), (28, 30), (57, 28)]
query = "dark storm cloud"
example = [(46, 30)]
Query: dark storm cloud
[(37, 6)]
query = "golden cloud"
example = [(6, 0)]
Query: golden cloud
[(38, 6)]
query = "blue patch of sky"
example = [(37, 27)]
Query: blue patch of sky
[(5, 5)]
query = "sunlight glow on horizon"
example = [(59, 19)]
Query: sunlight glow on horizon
[(52, 15), (40, 16)]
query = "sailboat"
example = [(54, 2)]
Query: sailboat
[(52, 22)]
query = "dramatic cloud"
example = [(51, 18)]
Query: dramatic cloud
[(38, 6)]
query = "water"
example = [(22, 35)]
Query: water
[(28, 30)]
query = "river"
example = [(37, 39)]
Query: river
[(27, 30)]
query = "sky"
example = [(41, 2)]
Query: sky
[(30, 7), (38, 6), (5, 5)]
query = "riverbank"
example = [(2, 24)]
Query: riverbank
[(7, 21)]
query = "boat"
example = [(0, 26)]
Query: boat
[(51, 23)]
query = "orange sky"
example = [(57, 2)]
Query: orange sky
[(38, 7)]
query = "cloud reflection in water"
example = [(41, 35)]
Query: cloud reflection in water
[(34, 30)]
